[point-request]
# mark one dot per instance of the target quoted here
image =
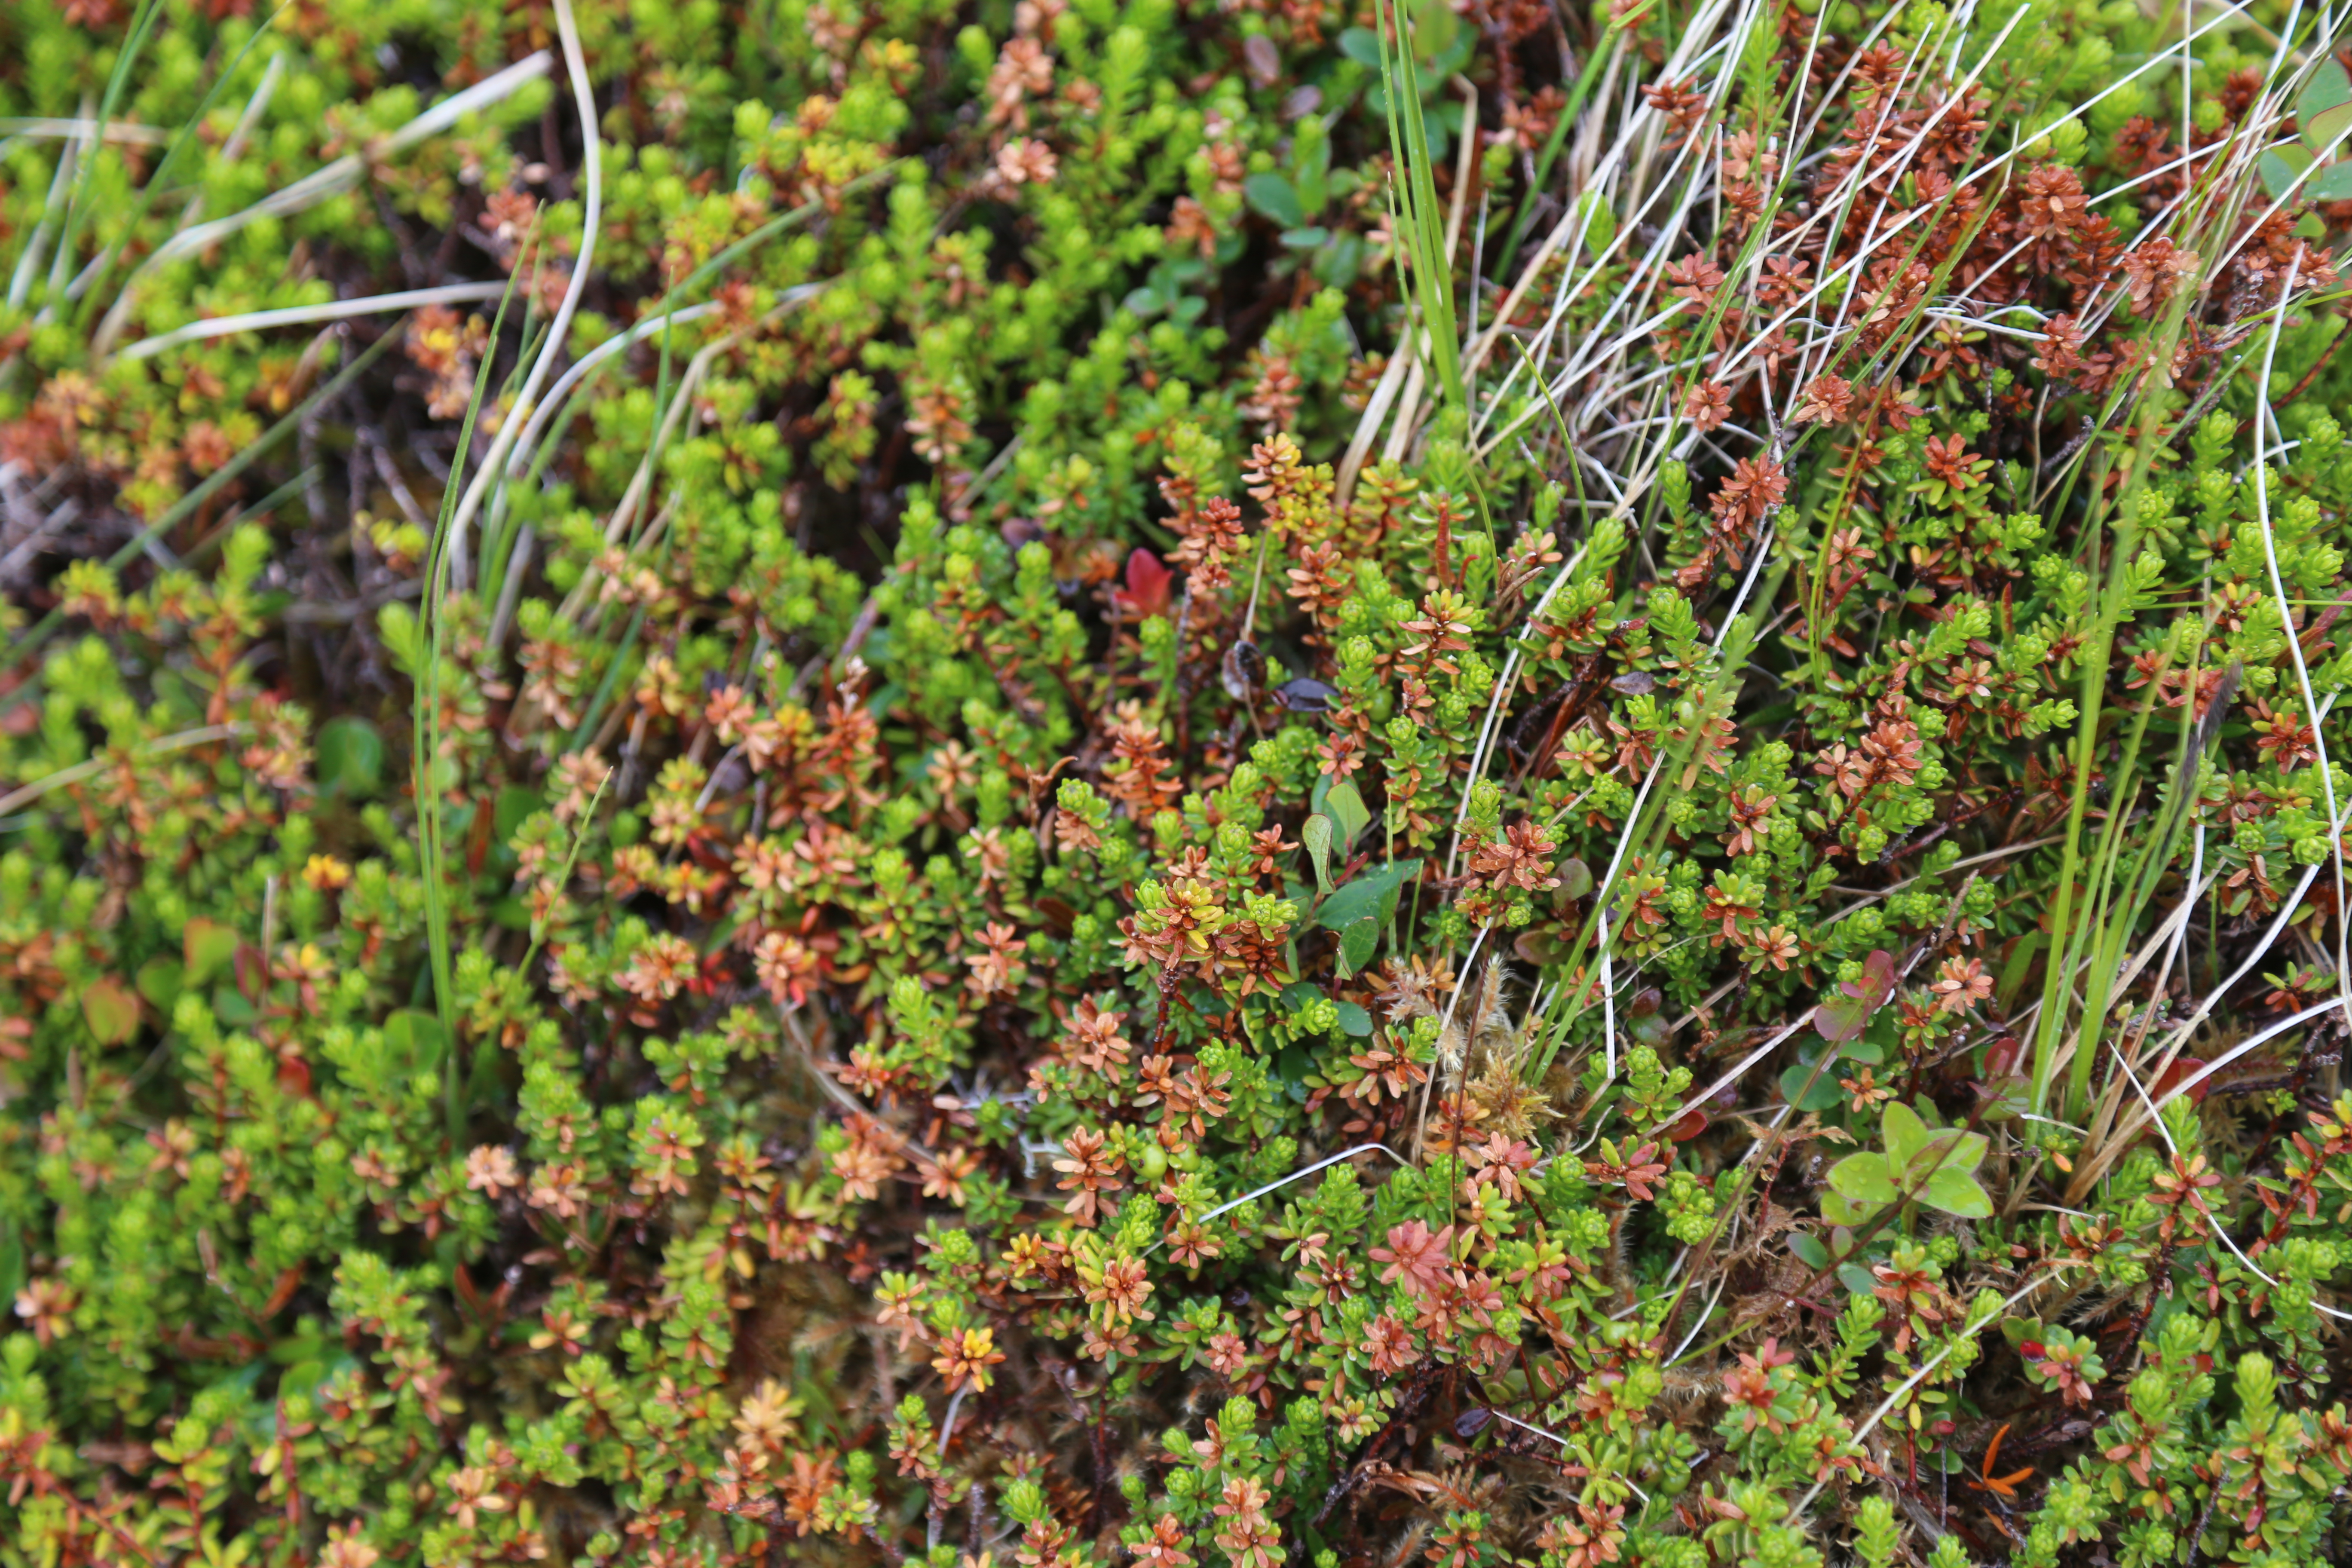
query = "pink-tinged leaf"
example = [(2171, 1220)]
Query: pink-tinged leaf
[(1845, 1018), (1842, 1020), (1416, 1256)]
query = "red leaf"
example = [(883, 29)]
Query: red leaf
[(2180, 1071), (1147, 582), (1845, 1019), (2002, 1055)]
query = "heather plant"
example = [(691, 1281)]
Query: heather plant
[(1170, 784)]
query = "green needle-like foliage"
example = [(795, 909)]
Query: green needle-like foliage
[(1104, 782)]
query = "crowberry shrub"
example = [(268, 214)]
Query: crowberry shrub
[(1172, 783)]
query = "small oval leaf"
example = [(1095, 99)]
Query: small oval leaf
[(206, 946), (1271, 195), (1956, 1193), (1362, 46), (159, 982), (2328, 88), (1346, 804), (111, 1011), (2332, 183), (350, 758), (1864, 1179), (1317, 837)]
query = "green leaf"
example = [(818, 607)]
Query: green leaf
[(1358, 943), (206, 945), (2323, 132), (2332, 183), (1961, 1151), (1354, 1019), (516, 803), (1809, 1250), (350, 758), (1317, 837), (1372, 896), (2015, 1100), (1906, 1136), (1346, 805), (1362, 46), (2325, 105), (1864, 1178), (1291, 1066), (1856, 1278), (415, 1036), (1338, 262), (1956, 1193), (2281, 167), (111, 1009), (1822, 1094), (303, 1378), (230, 1006), (159, 982), (1271, 195), (2328, 88), (1417, 144)]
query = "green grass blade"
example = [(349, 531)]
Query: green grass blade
[(1414, 195), (134, 44), (426, 715), (156, 182)]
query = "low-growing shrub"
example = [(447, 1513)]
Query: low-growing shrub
[(1222, 786)]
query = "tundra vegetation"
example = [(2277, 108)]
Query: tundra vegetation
[(1073, 783)]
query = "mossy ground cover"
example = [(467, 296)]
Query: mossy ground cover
[(1202, 785)]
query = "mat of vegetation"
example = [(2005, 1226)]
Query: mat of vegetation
[(1208, 785)]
